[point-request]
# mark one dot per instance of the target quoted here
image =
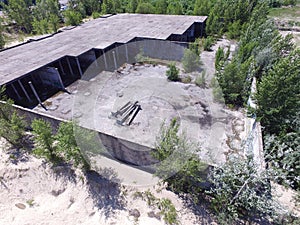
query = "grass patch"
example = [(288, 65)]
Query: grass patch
[(288, 12)]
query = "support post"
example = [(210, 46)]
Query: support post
[(25, 92), (61, 67), (126, 52), (115, 60), (36, 94), (70, 67), (104, 57), (16, 91), (79, 68)]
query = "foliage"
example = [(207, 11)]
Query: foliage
[(145, 8), (2, 41), (207, 43), (43, 140), (201, 80), (18, 11), (190, 61), (46, 16), (283, 155), (219, 59), (166, 207), (179, 164), (195, 46), (12, 125), (203, 7), (239, 191), (72, 17), (278, 95), (67, 146), (172, 72), (59, 147)]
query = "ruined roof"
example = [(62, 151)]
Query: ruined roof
[(99, 33)]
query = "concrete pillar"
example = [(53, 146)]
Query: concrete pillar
[(60, 80), (104, 57), (70, 67), (61, 67), (23, 89), (115, 60), (96, 63), (126, 52), (79, 68), (36, 94), (16, 91)]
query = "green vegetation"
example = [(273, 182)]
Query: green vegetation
[(190, 61), (172, 72), (12, 125), (166, 207), (59, 147), (201, 80), (239, 191)]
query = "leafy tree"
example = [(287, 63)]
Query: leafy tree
[(43, 140), (132, 6), (161, 6), (18, 11), (203, 7), (145, 8), (46, 16), (72, 17), (239, 191), (2, 41), (67, 146), (179, 165), (172, 72), (278, 95), (174, 8), (12, 125), (207, 43), (219, 58), (190, 61)]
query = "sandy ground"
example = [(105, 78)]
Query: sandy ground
[(31, 192)]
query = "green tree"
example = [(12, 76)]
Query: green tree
[(72, 17), (174, 7), (179, 165), (12, 125), (172, 72), (239, 191), (43, 140), (190, 61), (203, 7), (18, 11), (46, 16), (132, 6), (161, 6), (145, 8), (278, 95), (67, 146)]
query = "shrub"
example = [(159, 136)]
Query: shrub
[(190, 61), (201, 80), (172, 72), (72, 18), (207, 43)]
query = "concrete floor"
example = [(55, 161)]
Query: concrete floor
[(205, 122)]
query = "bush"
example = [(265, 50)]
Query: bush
[(201, 80), (190, 61), (207, 43), (145, 8), (96, 15), (72, 18), (172, 72), (12, 126)]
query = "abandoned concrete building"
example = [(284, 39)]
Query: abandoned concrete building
[(42, 68)]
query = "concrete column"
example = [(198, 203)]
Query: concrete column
[(36, 94), (104, 57), (115, 60), (60, 80), (96, 63), (23, 89), (70, 67), (126, 52), (79, 68), (61, 67), (16, 91)]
